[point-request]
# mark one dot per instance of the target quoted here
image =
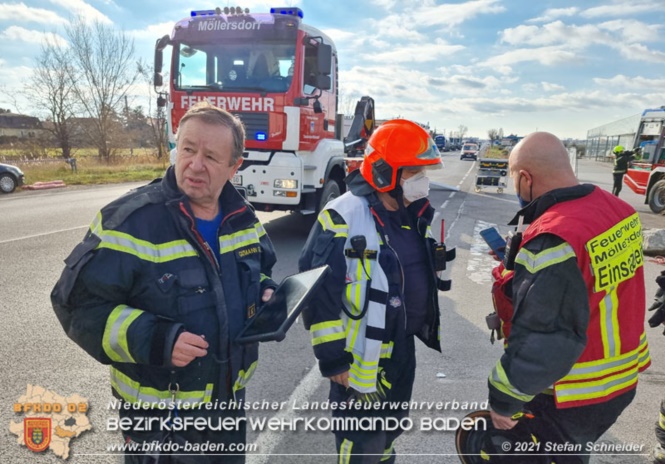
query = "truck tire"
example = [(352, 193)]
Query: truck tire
[(330, 191), (657, 197)]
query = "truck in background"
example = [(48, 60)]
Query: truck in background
[(279, 76), (440, 142), (647, 176)]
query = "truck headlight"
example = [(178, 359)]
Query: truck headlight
[(286, 183)]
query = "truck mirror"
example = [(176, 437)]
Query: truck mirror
[(324, 59), (158, 80)]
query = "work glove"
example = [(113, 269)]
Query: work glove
[(377, 396), (659, 303)]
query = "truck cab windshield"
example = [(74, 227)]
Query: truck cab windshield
[(234, 67)]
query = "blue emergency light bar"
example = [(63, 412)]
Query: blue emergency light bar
[(261, 136), (289, 11), (203, 13)]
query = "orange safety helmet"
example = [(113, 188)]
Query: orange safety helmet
[(397, 144)]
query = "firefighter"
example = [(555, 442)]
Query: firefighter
[(161, 285), (575, 304), (382, 291), (622, 159), (657, 320)]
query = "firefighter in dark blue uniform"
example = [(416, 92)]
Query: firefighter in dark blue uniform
[(382, 292), (163, 281)]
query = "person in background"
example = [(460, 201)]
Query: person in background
[(657, 320), (382, 291), (162, 283), (575, 302), (622, 159)]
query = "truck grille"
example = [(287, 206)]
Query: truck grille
[(254, 122)]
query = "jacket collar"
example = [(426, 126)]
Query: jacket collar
[(537, 207)]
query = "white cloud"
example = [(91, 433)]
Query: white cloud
[(20, 12), (550, 87), (548, 56), (554, 33), (449, 14), (394, 26), (21, 34), (415, 53), (81, 8), (153, 31), (627, 82), (554, 13), (632, 30), (624, 8)]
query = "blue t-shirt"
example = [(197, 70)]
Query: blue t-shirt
[(209, 231)]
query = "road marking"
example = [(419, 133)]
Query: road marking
[(268, 441), (480, 264), (42, 235)]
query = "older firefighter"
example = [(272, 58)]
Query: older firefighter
[(383, 287), (161, 284), (575, 303)]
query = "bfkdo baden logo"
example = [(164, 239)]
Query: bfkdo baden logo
[(37, 433), (51, 421)]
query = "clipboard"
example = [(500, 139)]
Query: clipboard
[(277, 315)]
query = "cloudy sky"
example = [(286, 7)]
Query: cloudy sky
[(520, 65)]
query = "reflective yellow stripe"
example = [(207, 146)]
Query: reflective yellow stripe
[(327, 332), (603, 367), (661, 421), (499, 380), (243, 377), (534, 262), (387, 349), (142, 249), (597, 379), (345, 451), (595, 389), (388, 452), (114, 340), (132, 392), (609, 323), (341, 230), (240, 239)]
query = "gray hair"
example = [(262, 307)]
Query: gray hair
[(214, 115)]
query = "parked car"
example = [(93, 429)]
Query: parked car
[(10, 178), (469, 150)]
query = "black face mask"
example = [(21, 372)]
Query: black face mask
[(522, 201)]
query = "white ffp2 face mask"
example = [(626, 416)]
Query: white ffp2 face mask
[(416, 187)]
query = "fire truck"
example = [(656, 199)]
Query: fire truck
[(280, 77), (647, 177)]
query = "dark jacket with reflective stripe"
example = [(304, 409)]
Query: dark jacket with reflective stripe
[(323, 247), (143, 274)]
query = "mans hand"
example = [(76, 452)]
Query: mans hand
[(502, 422), (187, 347), (267, 293), (342, 379)]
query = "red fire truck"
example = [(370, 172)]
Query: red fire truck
[(280, 77), (647, 176)]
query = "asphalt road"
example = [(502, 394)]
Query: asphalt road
[(40, 229)]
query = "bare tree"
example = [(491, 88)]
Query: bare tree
[(493, 134), (157, 116), (462, 131), (104, 73), (51, 88)]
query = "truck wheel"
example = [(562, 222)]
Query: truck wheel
[(657, 197), (330, 191)]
